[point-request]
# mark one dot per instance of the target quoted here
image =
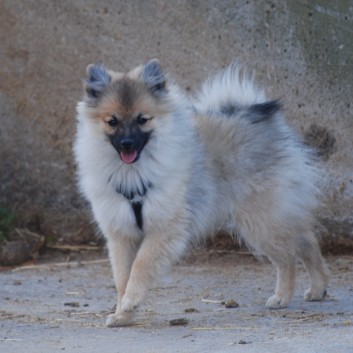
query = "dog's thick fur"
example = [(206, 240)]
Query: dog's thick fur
[(161, 169)]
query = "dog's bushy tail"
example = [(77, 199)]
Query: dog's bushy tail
[(233, 95), (231, 87)]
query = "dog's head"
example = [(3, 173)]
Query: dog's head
[(126, 106)]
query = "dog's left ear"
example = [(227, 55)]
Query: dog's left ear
[(153, 76), (97, 80)]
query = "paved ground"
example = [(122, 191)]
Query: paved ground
[(51, 308)]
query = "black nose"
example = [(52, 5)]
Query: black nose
[(127, 143)]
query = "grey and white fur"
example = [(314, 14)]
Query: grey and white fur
[(224, 159)]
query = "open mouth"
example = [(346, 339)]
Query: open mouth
[(129, 147), (129, 157)]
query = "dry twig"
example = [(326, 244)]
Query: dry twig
[(58, 264)]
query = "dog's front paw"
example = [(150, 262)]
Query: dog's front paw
[(311, 295), (130, 302), (120, 318), (277, 302)]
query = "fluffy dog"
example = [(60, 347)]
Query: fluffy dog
[(161, 169)]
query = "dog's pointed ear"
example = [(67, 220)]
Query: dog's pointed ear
[(153, 76), (97, 80)]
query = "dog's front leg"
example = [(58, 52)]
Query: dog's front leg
[(122, 253), (155, 255)]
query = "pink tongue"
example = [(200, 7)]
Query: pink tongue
[(128, 157)]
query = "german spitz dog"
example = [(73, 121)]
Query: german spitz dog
[(162, 169)]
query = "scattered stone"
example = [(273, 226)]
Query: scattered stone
[(14, 253), (243, 342), (72, 304), (191, 310), (20, 246), (179, 322), (231, 304)]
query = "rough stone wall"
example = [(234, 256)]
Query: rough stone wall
[(302, 52)]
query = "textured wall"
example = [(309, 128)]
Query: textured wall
[(302, 53)]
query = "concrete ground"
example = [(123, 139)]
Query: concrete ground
[(59, 304)]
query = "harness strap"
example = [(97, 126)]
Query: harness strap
[(136, 201), (137, 208)]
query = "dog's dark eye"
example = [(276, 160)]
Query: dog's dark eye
[(113, 122), (141, 120)]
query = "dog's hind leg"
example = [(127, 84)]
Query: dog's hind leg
[(285, 280), (268, 238), (309, 252)]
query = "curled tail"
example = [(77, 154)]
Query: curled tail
[(235, 117), (233, 93)]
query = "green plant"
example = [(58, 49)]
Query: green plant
[(7, 223)]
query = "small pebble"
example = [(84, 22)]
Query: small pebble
[(72, 304), (243, 342), (179, 322), (191, 310), (231, 304)]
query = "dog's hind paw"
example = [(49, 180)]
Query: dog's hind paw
[(311, 295), (277, 302), (120, 318)]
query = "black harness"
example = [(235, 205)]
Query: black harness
[(136, 201), (137, 208)]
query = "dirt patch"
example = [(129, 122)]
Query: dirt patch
[(323, 140), (61, 302)]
